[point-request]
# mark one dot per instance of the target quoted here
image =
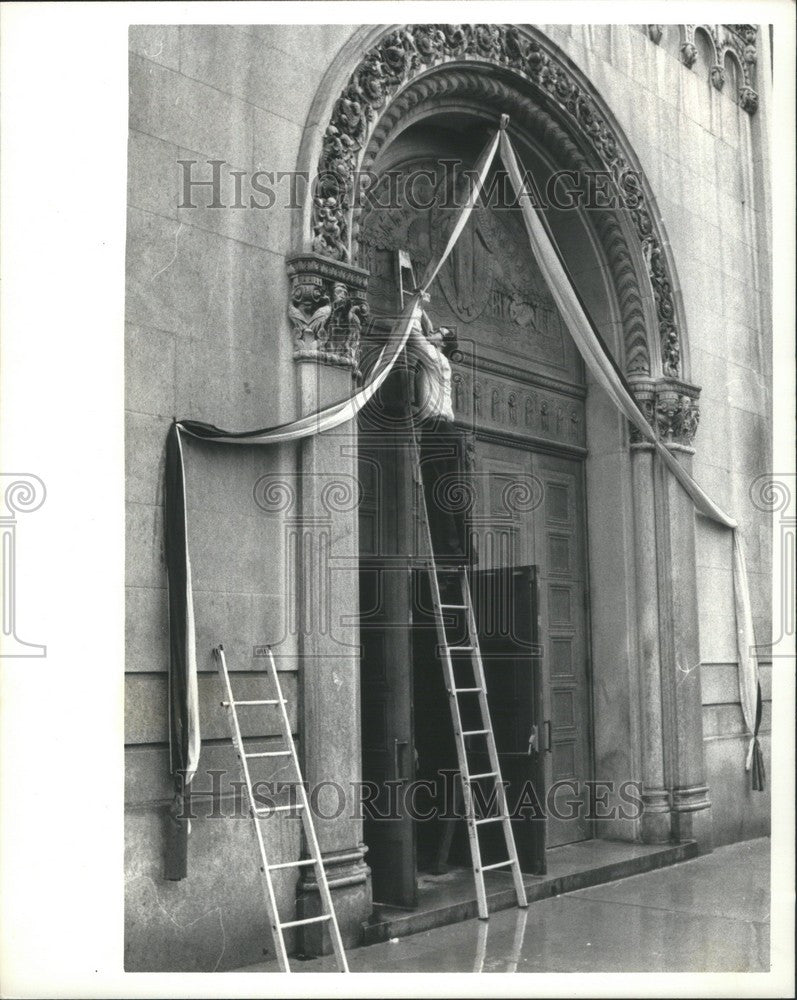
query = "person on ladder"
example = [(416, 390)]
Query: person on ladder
[(442, 454), (442, 445)]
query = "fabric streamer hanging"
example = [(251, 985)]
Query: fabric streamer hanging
[(184, 722), (605, 371)]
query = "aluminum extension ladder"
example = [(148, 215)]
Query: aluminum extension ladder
[(446, 651), (259, 814)]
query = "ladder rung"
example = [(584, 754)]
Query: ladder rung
[(266, 811), (490, 819), (454, 607), (291, 864), (487, 774), (467, 690), (475, 732), (460, 649), (269, 753), (266, 701), (499, 864), (307, 920)]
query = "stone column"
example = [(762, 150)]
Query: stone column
[(327, 309), (655, 826), (676, 421)]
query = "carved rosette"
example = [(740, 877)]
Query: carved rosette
[(327, 310), (670, 407), (411, 49)]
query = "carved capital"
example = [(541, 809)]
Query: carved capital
[(670, 407), (644, 392), (327, 309), (677, 412)]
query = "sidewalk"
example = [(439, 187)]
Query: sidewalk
[(710, 914)]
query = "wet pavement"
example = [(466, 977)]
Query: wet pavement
[(710, 914)]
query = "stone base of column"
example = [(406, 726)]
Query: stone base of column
[(656, 825), (349, 879), (691, 817)]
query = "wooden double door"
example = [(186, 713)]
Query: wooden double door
[(529, 587)]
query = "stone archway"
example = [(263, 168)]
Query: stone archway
[(527, 76), (403, 73)]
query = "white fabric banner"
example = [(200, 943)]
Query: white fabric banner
[(600, 365), (311, 424)]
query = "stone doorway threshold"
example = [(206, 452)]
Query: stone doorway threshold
[(451, 898)]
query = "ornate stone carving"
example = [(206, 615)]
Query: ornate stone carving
[(327, 310), (514, 412), (740, 40), (644, 393), (676, 418), (512, 407), (655, 32), (490, 285), (747, 32), (626, 283), (670, 407), (662, 293), (403, 54), (496, 411), (460, 398), (688, 54), (748, 100), (575, 421)]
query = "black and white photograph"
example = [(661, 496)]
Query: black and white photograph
[(408, 444)]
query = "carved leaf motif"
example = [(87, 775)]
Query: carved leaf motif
[(403, 53)]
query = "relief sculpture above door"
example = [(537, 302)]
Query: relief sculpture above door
[(490, 289)]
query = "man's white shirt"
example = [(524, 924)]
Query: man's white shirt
[(434, 379)]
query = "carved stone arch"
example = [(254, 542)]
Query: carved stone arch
[(490, 95), (709, 32), (556, 90), (729, 54)]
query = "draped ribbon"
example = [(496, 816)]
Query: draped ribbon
[(184, 722), (605, 371)]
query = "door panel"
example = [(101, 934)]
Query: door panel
[(387, 728), (505, 606), (559, 528), (386, 664), (500, 522), (529, 509)]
